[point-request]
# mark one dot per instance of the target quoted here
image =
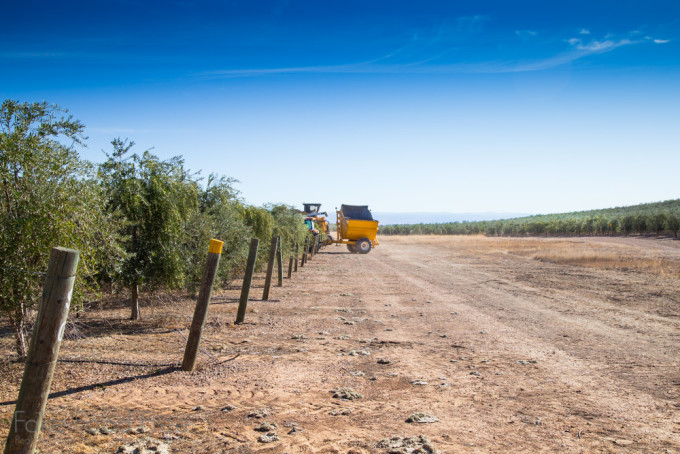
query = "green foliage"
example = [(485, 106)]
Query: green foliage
[(261, 223), (651, 218), (155, 199), (289, 223), (48, 199), (139, 221), (218, 216)]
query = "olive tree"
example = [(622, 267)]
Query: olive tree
[(155, 199), (218, 216), (48, 198)]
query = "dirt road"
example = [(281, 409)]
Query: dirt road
[(509, 353)]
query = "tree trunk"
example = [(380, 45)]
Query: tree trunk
[(18, 322), (134, 302)]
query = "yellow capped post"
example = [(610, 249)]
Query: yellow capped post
[(215, 246)]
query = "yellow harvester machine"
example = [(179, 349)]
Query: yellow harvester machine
[(355, 226)]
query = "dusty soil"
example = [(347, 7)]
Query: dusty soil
[(504, 352)]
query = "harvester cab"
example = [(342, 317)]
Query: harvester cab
[(316, 221), (311, 208)]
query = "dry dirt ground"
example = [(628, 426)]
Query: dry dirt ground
[(511, 348)]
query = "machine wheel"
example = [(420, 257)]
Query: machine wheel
[(352, 248), (364, 246)]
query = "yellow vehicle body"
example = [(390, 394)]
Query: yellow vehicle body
[(351, 230), (357, 229)]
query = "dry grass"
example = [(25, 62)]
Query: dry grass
[(568, 251), (610, 261)]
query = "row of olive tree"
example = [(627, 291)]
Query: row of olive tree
[(140, 222), (662, 218)]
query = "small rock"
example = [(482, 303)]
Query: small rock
[(454, 361), (414, 445), (525, 362), (298, 337), (622, 442), (346, 394), (343, 337), (198, 408), (268, 437), (266, 427), (145, 446), (260, 413), (139, 430), (384, 361), (324, 333), (419, 382), (421, 418), (357, 373), (389, 329), (346, 294), (359, 353), (454, 313), (93, 431), (474, 372), (429, 301), (340, 411), (295, 430), (483, 332), (350, 322)]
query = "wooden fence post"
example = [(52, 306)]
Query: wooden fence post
[(247, 281), (48, 333), (304, 252), (290, 266), (201, 311), (270, 268), (297, 254), (279, 264)]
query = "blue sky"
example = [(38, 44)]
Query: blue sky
[(529, 107)]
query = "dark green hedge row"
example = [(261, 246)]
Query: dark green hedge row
[(660, 218)]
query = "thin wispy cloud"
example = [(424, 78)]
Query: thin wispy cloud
[(597, 47), (662, 41), (35, 55), (579, 48), (584, 31), (525, 33)]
